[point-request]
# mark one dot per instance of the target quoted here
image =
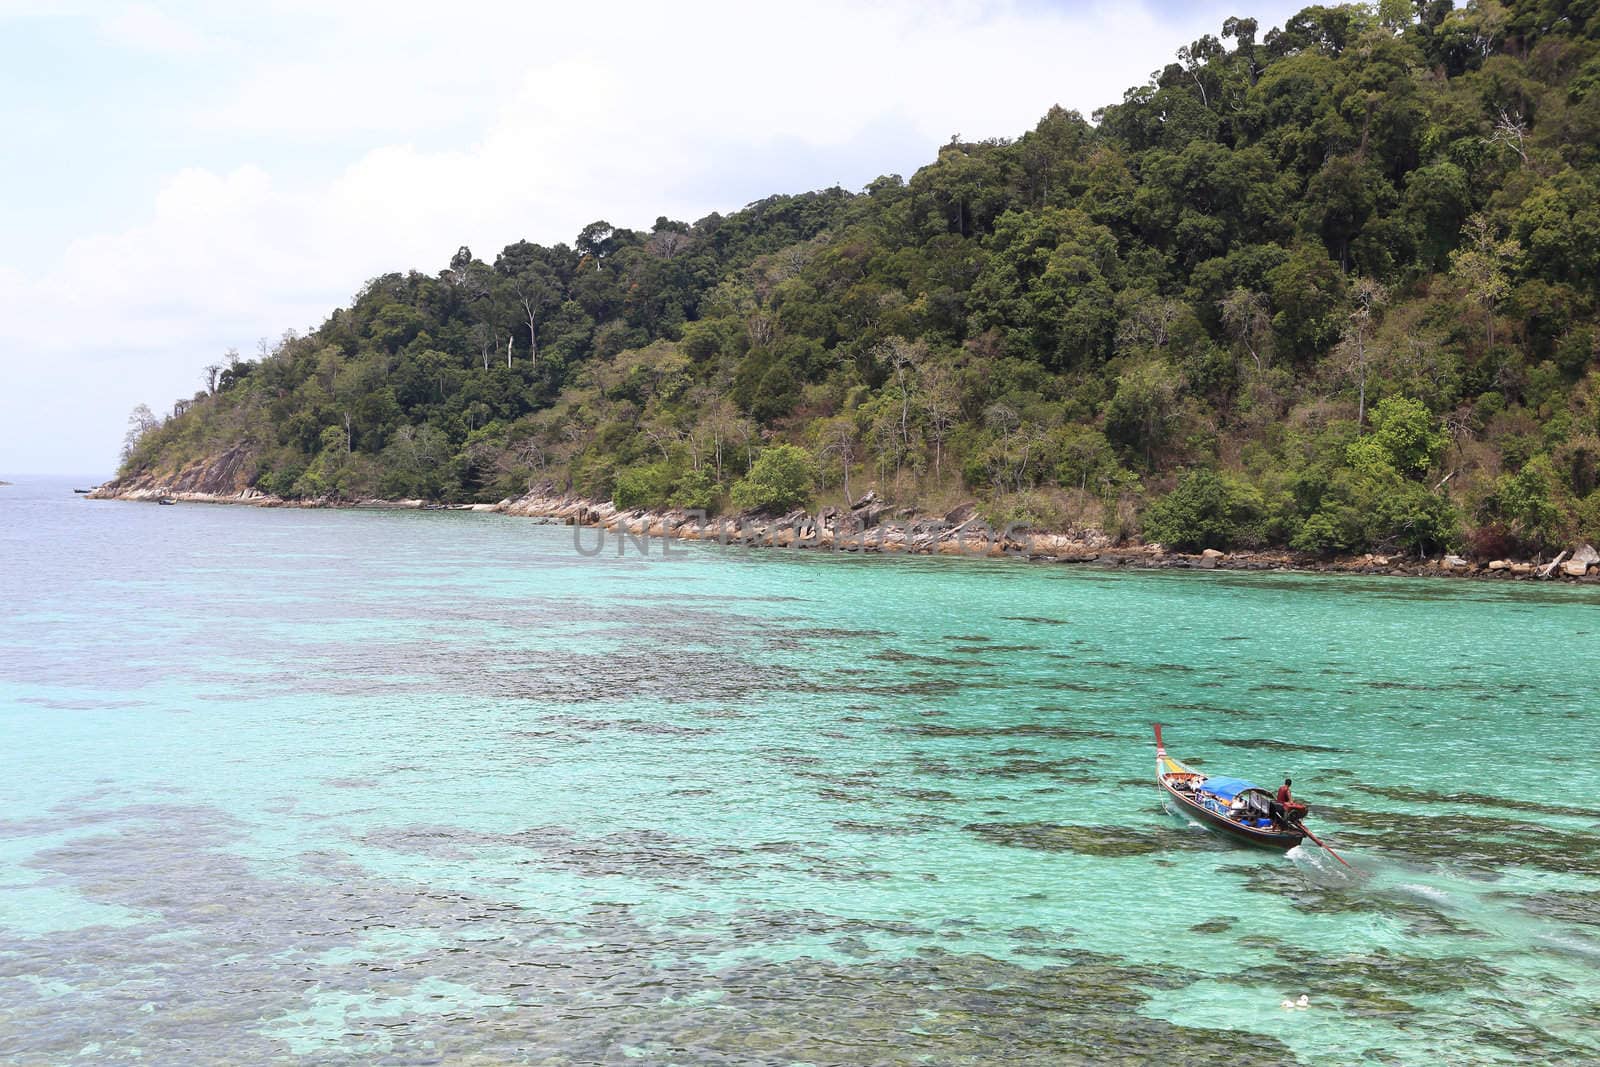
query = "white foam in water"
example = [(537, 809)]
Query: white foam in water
[(1428, 891), (1570, 945), (1309, 857)]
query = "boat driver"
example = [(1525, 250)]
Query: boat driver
[(1279, 808)]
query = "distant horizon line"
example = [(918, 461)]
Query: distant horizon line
[(6, 477)]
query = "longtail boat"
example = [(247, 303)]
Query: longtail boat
[(1231, 806)]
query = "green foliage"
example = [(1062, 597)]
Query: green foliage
[(1405, 438), (659, 485), (1207, 510), (697, 490), (1140, 414), (1185, 283), (1588, 517), (780, 479), (642, 487), (415, 464), (1377, 508), (1048, 286), (1438, 198), (1526, 503), (1308, 291), (1089, 463), (1379, 498)]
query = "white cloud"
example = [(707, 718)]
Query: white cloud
[(433, 125), (150, 29)]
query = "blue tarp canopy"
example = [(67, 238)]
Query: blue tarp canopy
[(1227, 788)]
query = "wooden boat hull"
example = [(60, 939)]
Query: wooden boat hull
[(1281, 840), (1170, 773)]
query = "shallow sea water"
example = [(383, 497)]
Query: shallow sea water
[(399, 787)]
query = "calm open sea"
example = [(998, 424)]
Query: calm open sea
[(400, 787)]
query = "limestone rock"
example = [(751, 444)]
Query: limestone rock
[(1574, 568), (869, 510), (1211, 553), (1586, 555), (1521, 568), (961, 513), (1499, 564)]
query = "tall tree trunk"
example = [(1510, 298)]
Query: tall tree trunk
[(1361, 406), (533, 335), (905, 412)]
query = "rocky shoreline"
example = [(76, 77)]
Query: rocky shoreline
[(872, 526), (867, 528)]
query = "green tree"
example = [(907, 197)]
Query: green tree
[(1377, 508), (1405, 438), (780, 480), (837, 439), (1048, 286), (1379, 500), (141, 421), (698, 490), (1207, 510), (1528, 503), (1308, 291), (1367, 297), (1438, 199), (1482, 268), (647, 486), (1141, 411)]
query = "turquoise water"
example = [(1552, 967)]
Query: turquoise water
[(367, 787)]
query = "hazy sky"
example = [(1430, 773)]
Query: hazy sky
[(181, 178)]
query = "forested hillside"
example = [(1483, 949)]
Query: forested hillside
[(1331, 286)]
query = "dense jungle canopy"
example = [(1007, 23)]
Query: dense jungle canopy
[(1331, 286)]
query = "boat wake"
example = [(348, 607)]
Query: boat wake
[(1445, 901), (1426, 892), (1322, 869)]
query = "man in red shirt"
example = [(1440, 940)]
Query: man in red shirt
[(1280, 809)]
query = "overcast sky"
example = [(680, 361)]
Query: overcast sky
[(182, 179)]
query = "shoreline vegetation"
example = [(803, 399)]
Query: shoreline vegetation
[(873, 527), (1324, 292)]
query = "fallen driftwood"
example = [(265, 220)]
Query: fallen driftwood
[(1550, 568)]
